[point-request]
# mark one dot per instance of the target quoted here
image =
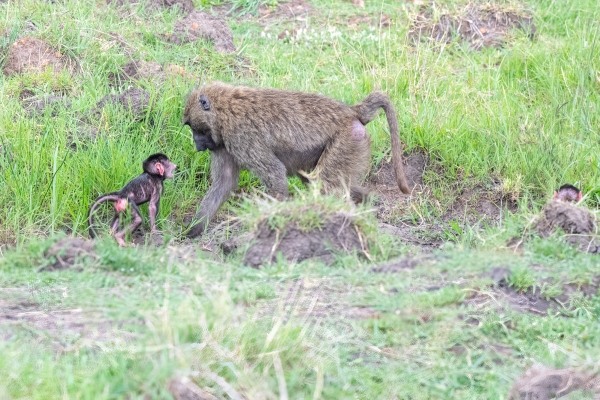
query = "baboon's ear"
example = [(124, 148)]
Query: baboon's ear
[(156, 169), (204, 103)]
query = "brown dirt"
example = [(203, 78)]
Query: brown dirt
[(34, 55), (588, 289), (319, 300), (470, 204), (338, 233), (390, 202), (135, 100), (499, 352), (530, 300), (294, 9), (396, 266), (540, 382), (67, 252), (199, 24), (39, 105), (152, 71), (116, 40), (578, 224), (478, 25), (137, 70), (65, 328), (285, 10), (185, 389), (357, 21), (183, 6)]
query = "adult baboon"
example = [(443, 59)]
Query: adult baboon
[(274, 133)]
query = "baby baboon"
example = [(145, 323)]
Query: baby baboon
[(146, 187), (568, 193), (274, 133)]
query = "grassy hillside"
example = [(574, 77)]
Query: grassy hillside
[(517, 118)]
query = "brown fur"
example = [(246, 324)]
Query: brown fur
[(274, 133)]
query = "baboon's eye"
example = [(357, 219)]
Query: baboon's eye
[(204, 103)]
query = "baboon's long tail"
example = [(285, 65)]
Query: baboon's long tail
[(366, 111), (114, 196)]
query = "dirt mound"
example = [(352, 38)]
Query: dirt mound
[(39, 105), (135, 100), (136, 70), (531, 300), (414, 167), (540, 382), (478, 25), (578, 224), (199, 24), (337, 233), (34, 55), (487, 202), (466, 201), (146, 70), (183, 6), (66, 252)]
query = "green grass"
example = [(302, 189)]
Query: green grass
[(526, 115)]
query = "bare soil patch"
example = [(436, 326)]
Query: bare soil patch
[(577, 223), (152, 71), (478, 25), (66, 252), (499, 352), (116, 40), (186, 389), (135, 100), (381, 183), (294, 9), (401, 264), (470, 203), (34, 55), (40, 105), (284, 11), (183, 6), (199, 24), (137, 70), (379, 21), (314, 300), (337, 233), (64, 328), (530, 300), (540, 382)]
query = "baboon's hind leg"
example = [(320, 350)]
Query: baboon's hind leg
[(343, 164), (272, 174)]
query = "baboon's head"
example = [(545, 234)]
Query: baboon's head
[(200, 116)]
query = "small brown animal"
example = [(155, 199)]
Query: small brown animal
[(568, 193), (146, 187), (275, 133)]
